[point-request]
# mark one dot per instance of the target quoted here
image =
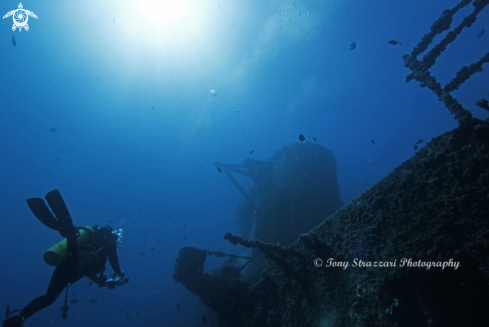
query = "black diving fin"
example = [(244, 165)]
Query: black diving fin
[(12, 320), (58, 206), (8, 312), (61, 220), (41, 211)]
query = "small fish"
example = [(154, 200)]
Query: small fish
[(373, 142), (219, 169), (184, 225), (252, 151), (152, 107), (93, 301), (137, 312), (479, 35), (58, 158), (179, 305), (353, 46), (204, 318), (184, 237), (419, 141), (14, 43), (54, 130), (151, 249), (127, 316), (237, 110), (158, 241), (145, 242), (219, 6), (415, 147), (140, 211), (90, 283), (302, 138), (113, 19), (394, 42), (74, 301), (315, 139)]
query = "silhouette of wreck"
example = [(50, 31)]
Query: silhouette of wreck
[(432, 210), (293, 191)]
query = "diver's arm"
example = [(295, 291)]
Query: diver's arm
[(114, 261)]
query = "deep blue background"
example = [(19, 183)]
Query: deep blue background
[(113, 157)]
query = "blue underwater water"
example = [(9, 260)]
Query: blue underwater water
[(110, 102)]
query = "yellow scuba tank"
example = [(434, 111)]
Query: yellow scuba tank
[(59, 251)]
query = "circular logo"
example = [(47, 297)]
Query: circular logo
[(318, 262), (20, 17)]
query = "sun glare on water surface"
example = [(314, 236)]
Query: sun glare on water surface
[(163, 12)]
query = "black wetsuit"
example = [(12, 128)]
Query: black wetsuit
[(87, 261)]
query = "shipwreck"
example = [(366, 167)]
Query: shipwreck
[(432, 211)]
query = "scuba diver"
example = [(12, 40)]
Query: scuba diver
[(83, 252)]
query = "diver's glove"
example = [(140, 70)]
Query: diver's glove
[(13, 321), (122, 281)]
